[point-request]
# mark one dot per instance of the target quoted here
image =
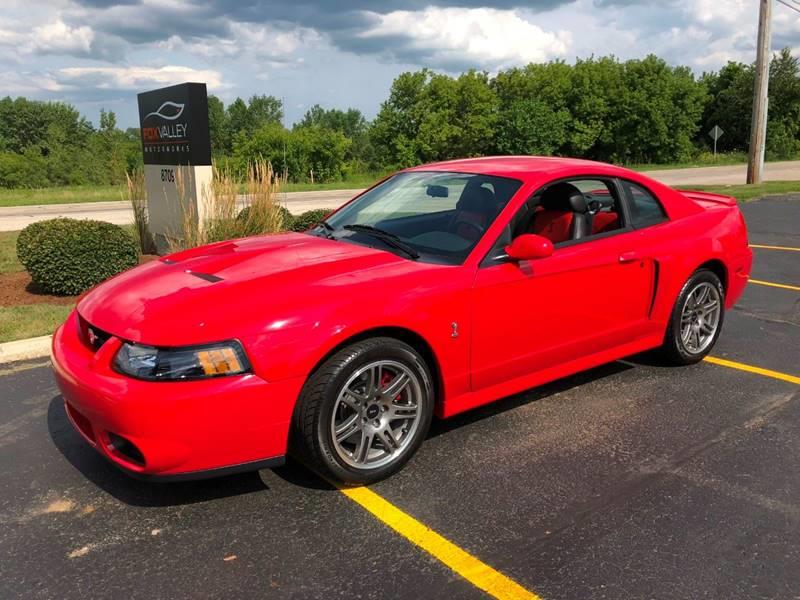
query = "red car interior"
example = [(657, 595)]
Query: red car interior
[(603, 222), (564, 215)]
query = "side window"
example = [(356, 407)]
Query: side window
[(564, 212), (645, 209), (576, 209)]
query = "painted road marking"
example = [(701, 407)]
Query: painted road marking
[(751, 369), (783, 286), (787, 248), (462, 562)]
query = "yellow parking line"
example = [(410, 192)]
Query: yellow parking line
[(777, 285), (751, 369), (462, 562), (787, 248)]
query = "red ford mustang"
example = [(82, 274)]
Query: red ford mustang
[(442, 288)]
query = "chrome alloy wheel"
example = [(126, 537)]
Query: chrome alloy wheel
[(700, 317), (376, 415)]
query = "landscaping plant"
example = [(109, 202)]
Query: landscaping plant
[(309, 218), (67, 256), (137, 196)]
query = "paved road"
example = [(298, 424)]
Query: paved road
[(15, 218), (728, 175), (629, 481)]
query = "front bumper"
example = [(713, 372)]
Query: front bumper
[(171, 430)]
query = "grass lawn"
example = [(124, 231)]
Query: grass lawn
[(8, 252), (743, 193), (705, 160), (30, 320), (105, 193), (351, 183), (61, 195)]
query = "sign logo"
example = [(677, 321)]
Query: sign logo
[(158, 113)]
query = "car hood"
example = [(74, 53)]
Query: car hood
[(238, 288)]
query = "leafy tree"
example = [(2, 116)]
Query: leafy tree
[(730, 106), (295, 153), (435, 117), (237, 118), (218, 127), (262, 110), (350, 122), (531, 127)]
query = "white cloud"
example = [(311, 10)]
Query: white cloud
[(25, 83), (486, 37), (135, 77), (247, 40), (59, 38)]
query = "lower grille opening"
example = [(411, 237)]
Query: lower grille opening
[(125, 448)]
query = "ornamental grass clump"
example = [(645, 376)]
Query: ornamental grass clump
[(137, 196), (67, 257), (238, 209)]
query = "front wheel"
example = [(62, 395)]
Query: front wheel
[(365, 411), (696, 319)]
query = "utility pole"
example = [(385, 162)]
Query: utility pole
[(758, 127)]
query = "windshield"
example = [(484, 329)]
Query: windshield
[(424, 215)]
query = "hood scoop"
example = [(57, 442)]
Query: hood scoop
[(206, 276)]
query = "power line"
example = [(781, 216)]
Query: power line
[(792, 6)]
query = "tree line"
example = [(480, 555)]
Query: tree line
[(635, 111)]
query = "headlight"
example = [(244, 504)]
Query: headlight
[(171, 364)]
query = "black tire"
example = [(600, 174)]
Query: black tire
[(312, 438), (674, 351)]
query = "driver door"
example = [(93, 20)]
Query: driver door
[(591, 295)]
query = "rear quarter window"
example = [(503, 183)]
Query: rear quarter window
[(646, 210)]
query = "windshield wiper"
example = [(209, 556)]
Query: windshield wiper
[(385, 236)]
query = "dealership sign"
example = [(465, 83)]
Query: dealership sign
[(176, 147)]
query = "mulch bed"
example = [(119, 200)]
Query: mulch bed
[(17, 289)]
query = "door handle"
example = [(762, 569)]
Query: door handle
[(627, 257)]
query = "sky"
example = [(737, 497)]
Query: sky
[(100, 53)]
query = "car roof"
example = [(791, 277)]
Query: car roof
[(525, 167)]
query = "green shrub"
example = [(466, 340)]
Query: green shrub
[(309, 218), (67, 257), (249, 222)]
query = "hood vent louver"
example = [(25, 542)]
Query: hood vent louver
[(206, 276)]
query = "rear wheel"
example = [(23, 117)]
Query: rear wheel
[(365, 411), (696, 319)]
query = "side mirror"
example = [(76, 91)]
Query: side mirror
[(529, 246)]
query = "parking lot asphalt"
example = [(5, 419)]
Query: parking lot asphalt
[(632, 480)]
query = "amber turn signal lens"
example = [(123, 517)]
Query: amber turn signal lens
[(219, 361)]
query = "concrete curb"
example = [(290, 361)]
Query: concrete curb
[(25, 349)]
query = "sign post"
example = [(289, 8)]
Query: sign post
[(715, 134), (176, 145)]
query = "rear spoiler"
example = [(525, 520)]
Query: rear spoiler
[(709, 197)]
